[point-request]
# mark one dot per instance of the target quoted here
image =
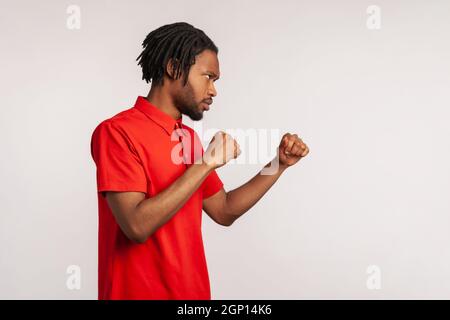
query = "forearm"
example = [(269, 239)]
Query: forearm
[(240, 200), (154, 212)]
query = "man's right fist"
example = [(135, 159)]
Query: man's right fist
[(221, 149)]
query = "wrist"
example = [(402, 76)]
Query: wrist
[(207, 166), (274, 167), (282, 167)]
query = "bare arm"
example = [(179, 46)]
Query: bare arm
[(225, 207)]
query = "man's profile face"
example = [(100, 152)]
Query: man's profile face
[(194, 98)]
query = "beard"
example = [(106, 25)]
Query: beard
[(186, 104)]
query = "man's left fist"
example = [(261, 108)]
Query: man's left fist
[(291, 150)]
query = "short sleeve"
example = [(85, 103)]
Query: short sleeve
[(212, 184), (119, 167)]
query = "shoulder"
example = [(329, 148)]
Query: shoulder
[(123, 122)]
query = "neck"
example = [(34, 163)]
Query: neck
[(163, 101)]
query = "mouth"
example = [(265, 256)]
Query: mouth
[(205, 105)]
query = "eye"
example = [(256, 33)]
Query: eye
[(208, 75)]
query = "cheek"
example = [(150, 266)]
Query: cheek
[(198, 87)]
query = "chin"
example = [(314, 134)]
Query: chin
[(196, 116)]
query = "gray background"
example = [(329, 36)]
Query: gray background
[(373, 106)]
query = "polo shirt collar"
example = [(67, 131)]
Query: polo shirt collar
[(160, 117)]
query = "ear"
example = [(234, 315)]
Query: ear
[(171, 67)]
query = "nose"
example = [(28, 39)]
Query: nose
[(212, 90)]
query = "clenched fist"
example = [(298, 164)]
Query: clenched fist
[(221, 150), (291, 150)]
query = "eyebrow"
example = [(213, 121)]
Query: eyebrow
[(215, 75)]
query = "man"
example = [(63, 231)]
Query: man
[(150, 202)]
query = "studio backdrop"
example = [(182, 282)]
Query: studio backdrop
[(364, 83)]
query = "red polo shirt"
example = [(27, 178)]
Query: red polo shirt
[(133, 152)]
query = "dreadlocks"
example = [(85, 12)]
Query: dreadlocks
[(178, 41)]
